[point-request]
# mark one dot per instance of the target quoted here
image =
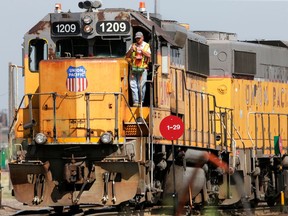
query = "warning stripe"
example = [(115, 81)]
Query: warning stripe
[(76, 84)]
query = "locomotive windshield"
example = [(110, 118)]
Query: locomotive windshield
[(97, 47), (109, 48)]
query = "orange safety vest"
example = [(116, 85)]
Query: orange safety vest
[(140, 61)]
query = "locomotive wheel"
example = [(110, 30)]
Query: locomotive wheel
[(58, 209), (124, 209), (270, 202), (254, 203), (74, 209)]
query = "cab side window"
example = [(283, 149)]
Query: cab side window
[(37, 51)]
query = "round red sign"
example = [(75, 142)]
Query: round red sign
[(171, 127)]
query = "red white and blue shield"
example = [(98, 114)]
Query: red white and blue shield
[(76, 80)]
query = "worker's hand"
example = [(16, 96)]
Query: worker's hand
[(139, 50)]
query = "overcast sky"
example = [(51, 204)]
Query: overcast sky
[(249, 19)]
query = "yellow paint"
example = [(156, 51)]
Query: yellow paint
[(222, 89), (80, 140), (31, 80), (282, 198), (246, 96), (71, 121)]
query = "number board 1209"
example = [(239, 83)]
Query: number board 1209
[(113, 27), (65, 28)]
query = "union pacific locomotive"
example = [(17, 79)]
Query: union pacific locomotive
[(76, 138)]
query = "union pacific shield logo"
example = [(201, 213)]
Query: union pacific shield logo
[(76, 80)]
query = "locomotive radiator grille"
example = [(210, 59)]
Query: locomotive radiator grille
[(132, 129)]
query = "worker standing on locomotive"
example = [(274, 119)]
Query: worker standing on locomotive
[(140, 54)]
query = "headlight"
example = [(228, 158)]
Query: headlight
[(88, 29), (106, 138), (87, 19), (40, 138)]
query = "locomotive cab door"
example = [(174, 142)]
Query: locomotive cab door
[(148, 38)]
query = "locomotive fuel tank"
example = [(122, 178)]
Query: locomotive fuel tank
[(189, 174), (190, 180)]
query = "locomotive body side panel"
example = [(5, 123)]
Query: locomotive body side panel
[(259, 89)]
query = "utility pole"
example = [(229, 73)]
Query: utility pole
[(11, 91), (13, 100), (155, 6)]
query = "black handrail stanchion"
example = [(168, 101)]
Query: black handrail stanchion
[(88, 129), (54, 95), (174, 195)]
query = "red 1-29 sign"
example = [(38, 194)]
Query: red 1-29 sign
[(171, 127)]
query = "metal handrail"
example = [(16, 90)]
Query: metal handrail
[(261, 113), (30, 109), (116, 94), (208, 95), (55, 95), (254, 145)]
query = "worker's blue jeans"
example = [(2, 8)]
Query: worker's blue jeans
[(138, 80)]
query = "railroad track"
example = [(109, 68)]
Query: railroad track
[(262, 210), (211, 211)]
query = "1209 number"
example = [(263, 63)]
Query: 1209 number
[(113, 27), (65, 28)]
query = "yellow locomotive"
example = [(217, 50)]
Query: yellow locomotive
[(77, 139)]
